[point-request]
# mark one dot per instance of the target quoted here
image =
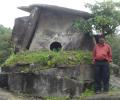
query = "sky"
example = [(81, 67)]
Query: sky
[(9, 10)]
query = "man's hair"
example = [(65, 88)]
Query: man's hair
[(101, 37), (97, 37)]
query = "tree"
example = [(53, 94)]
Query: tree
[(5, 43), (114, 42), (105, 17)]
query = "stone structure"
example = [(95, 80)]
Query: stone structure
[(50, 27), (59, 81)]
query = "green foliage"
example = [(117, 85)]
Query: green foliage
[(50, 58), (115, 44), (4, 30), (83, 25), (56, 98), (5, 43), (88, 92), (105, 17)]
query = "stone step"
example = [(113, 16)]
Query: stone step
[(104, 97), (7, 95)]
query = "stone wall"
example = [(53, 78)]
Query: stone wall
[(46, 26), (23, 30), (56, 26), (60, 81)]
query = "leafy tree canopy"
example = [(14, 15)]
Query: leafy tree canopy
[(115, 44), (105, 17), (5, 43)]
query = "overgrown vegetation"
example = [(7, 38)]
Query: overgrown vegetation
[(5, 43), (87, 93), (115, 44), (83, 95), (56, 98), (105, 17), (50, 58)]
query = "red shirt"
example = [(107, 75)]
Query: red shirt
[(102, 52)]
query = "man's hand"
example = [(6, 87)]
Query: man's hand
[(111, 63)]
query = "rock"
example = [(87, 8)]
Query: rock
[(115, 69), (43, 85), (61, 81), (3, 80), (7, 95), (103, 97), (48, 26), (114, 82)]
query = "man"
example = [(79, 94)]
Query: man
[(102, 56)]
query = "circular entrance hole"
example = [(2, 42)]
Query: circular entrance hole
[(55, 46)]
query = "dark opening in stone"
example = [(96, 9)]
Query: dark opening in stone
[(55, 46)]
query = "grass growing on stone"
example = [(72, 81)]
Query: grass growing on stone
[(83, 95), (56, 98), (86, 93), (50, 58)]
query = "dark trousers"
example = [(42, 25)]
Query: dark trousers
[(102, 74)]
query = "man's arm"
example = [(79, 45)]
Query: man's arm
[(110, 54), (94, 53)]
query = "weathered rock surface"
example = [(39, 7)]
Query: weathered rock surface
[(3, 80), (104, 97), (42, 85), (7, 95), (60, 81), (114, 82), (47, 25), (115, 69)]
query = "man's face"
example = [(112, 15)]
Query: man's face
[(101, 40)]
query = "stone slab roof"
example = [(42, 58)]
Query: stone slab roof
[(53, 7)]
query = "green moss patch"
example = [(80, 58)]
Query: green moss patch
[(50, 58)]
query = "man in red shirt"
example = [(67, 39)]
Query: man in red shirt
[(102, 56)]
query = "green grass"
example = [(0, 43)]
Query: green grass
[(50, 58), (83, 95), (56, 98), (87, 93)]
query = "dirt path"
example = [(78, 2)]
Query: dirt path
[(6, 95)]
